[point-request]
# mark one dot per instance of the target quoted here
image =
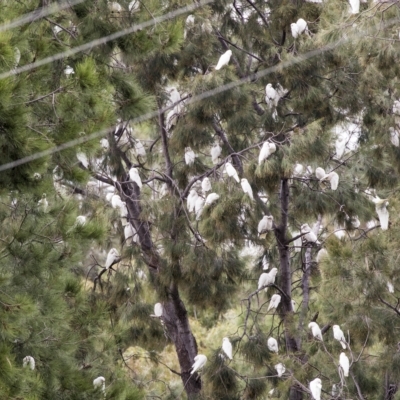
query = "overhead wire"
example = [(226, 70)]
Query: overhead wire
[(251, 78), (104, 39), (38, 13)]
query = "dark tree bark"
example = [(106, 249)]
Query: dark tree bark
[(175, 315)]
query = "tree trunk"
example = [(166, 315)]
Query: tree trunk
[(285, 281), (175, 315)]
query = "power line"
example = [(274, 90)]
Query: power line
[(38, 13), (285, 64), (104, 39)]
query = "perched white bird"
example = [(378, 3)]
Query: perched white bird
[(82, 157), (274, 302), (199, 362), (297, 243), (302, 25), (382, 211), (116, 201), (321, 255), (298, 169), (80, 220), (158, 310), (68, 71), (267, 278), (265, 225), (272, 345), (128, 231), (339, 335), (266, 150), (191, 200), (390, 287), (231, 171), (215, 153), (114, 7), (43, 203), (100, 383), (265, 263), (332, 177), (316, 330), (139, 149), (134, 6), (29, 360), (354, 6), (211, 198), (198, 207), (309, 236), (135, 177), (315, 388), (206, 185), (112, 257), (394, 136), (295, 30), (320, 173), (271, 95), (224, 59), (344, 363), (189, 156), (280, 369), (227, 347), (247, 188)]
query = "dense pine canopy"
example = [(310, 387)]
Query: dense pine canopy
[(191, 162)]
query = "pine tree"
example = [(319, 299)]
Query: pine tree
[(329, 100)]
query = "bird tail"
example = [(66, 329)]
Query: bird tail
[(343, 345), (237, 179)]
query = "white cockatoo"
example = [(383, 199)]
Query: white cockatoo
[(112, 257), (82, 158), (114, 7), (298, 169), (271, 95), (227, 347), (211, 198), (280, 369), (231, 171), (339, 335), (332, 177), (394, 136), (189, 156), (265, 263), (390, 287), (135, 177), (274, 302), (265, 225), (158, 310), (139, 149), (215, 153), (80, 220), (224, 59), (302, 26), (267, 278), (68, 71), (315, 330), (315, 388), (247, 188), (206, 185), (382, 211), (323, 253), (344, 364), (199, 362), (43, 203), (294, 30), (297, 243), (309, 236), (100, 383), (29, 361), (272, 345), (128, 231), (116, 201), (266, 150), (354, 6), (198, 207), (191, 200)]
